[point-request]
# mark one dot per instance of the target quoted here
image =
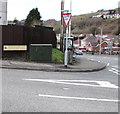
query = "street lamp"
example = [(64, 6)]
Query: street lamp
[(101, 40)]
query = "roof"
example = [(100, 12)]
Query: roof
[(90, 39), (102, 43)]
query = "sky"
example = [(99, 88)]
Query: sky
[(50, 9)]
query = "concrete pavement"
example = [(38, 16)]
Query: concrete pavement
[(81, 65)]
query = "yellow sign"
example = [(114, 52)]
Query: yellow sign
[(15, 47)]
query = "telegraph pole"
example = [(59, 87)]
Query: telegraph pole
[(62, 26)]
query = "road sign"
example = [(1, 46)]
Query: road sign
[(66, 18)]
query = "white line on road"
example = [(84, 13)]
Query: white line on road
[(103, 84), (114, 70), (77, 98), (66, 88), (108, 64)]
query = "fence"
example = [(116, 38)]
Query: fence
[(21, 35)]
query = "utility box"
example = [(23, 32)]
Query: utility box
[(41, 53)]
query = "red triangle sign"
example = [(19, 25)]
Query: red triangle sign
[(66, 18)]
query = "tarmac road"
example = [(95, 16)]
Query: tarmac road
[(37, 91), (112, 61)]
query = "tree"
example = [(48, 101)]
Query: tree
[(15, 21), (33, 18)]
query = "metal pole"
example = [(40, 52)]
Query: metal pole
[(66, 50), (101, 41), (78, 42), (110, 47), (70, 19), (70, 52)]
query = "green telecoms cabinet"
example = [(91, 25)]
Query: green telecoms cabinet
[(40, 52)]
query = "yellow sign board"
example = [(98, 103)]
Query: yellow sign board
[(15, 47)]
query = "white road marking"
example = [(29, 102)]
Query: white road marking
[(66, 88), (108, 64), (114, 70), (107, 84), (78, 98), (103, 84)]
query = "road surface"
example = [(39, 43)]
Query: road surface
[(37, 91)]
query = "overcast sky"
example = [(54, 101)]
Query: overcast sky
[(50, 9)]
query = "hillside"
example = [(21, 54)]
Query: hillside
[(85, 24)]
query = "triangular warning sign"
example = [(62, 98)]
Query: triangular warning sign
[(66, 18)]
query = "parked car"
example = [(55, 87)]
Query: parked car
[(78, 52)]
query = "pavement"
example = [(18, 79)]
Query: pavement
[(81, 65)]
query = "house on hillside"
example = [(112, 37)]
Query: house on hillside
[(89, 42), (91, 46), (108, 14), (110, 44), (103, 45), (113, 38)]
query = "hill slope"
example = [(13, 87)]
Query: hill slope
[(85, 24)]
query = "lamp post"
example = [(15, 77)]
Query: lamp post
[(101, 40), (111, 43)]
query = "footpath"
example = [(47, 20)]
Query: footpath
[(81, 65)]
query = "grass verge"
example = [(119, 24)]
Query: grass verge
[(57, 56)]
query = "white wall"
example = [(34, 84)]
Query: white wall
[(3, 12)]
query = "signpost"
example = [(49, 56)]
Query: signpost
[(66, 18)]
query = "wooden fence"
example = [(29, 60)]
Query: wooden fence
[(21, 35)]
